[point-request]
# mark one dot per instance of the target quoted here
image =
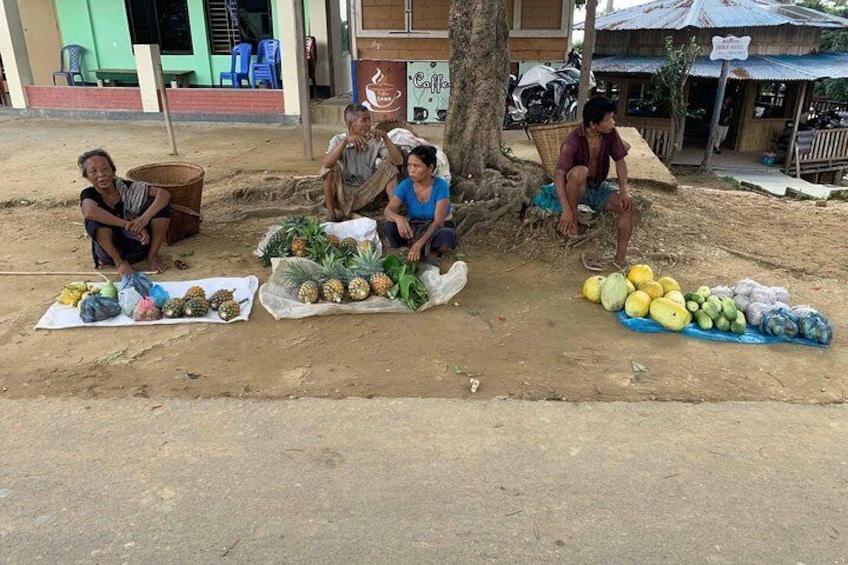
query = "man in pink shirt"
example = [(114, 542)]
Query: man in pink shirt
[(582, 170)]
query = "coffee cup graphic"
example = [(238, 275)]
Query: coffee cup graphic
[(441, 114), (420, 114), (382, 95)]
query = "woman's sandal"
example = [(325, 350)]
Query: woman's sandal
[(594, 264)]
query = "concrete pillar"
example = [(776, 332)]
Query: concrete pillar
[(14, 53), (147, 63), (290, 45), (318, 23)]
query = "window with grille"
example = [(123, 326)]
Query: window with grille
[(231, 22), (160, 22)]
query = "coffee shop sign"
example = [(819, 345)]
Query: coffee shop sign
[(436, 84)]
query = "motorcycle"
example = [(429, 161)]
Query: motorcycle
[(544, 95)]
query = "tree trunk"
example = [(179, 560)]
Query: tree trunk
[(489, 185), (588, 51), (479, 76)]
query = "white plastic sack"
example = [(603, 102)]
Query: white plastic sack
[(282, 303), (404, 138), (359, 229)]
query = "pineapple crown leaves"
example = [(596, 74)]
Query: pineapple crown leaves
[(366, 262), (332, 267), (298, 272), (319, 249), (294, 224)]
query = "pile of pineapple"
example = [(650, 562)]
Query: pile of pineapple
[(301, 236), (195, 304), (357, 278)]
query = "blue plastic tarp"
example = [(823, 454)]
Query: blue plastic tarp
[(751, 335)]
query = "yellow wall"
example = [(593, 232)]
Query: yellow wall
[(42, 38)]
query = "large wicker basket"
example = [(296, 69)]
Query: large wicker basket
[(548, 140), (185, 183)]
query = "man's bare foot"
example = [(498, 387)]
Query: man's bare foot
[(155, 263)]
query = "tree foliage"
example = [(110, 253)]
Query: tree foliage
[(667, 89), (832, 41)]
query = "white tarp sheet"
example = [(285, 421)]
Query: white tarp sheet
[(60, 317)]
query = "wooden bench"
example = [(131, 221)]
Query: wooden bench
[(825, 152), (116, 77)]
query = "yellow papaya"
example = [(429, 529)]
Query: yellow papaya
[(668, 284), (592, 288), (652, 288), (630, 288), (676, 296), (637, 304), (639, 274), (669, 315)]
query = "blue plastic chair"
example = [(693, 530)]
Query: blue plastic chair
[(74, 67), (265, 67), (239, 66)]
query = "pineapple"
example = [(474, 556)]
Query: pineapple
[(366, 244), (301, 276), (173, 308), (334, 240), (196, 308), (299, 247), (381, 284), (358, 288), (349, 243), (194, 292), (229, 309), (333, 278), (368, 265), (277, 246), (219, 297), (308, 292)]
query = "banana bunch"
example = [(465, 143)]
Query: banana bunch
[(74, 293)]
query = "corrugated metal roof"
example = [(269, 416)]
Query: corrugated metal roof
[(680, 14), (756, 67)]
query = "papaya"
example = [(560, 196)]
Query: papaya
[(728, 308), (637, 304), (668, 284), (592, 288), (703, 319), (614, 293), (630, 288), (669, 315), (676, 296), (639, 274), (652, 288)]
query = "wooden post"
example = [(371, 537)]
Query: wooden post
[(303, 88), (706, 166), (588, 50), (168, 125), (791, 149)]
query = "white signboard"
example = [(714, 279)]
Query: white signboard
[(730, 48)]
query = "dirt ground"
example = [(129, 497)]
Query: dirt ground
[(519, 326)]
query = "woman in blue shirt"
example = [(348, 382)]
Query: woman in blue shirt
[(428, 231)]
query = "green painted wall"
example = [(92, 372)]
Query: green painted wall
[(101, 27)]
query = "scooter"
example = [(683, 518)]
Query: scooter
[(543, 95)]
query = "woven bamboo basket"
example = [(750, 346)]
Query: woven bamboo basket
[(548, 139), (185, 183)]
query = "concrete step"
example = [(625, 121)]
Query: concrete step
[(330, 111)]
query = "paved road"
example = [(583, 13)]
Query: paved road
[(421, 481)]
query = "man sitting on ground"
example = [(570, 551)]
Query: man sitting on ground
[(582, 169), (359, 165)]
